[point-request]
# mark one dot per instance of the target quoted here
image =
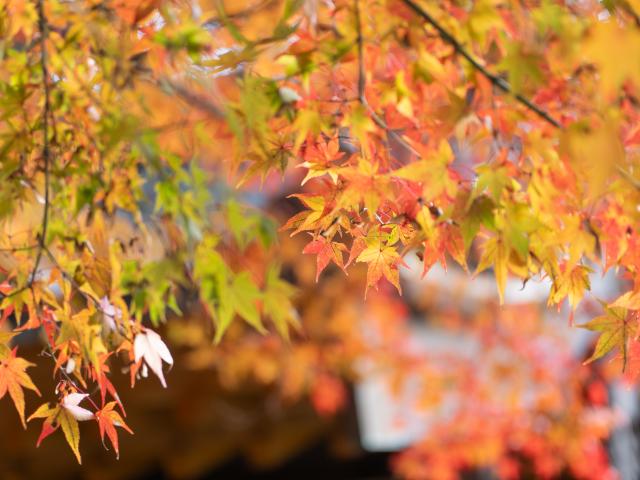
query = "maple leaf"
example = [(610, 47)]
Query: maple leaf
[(100, 372), (148, 346), (446, 238), (430, 171), (108, 419), (49, 425), (318, 160), (238, 297), (307, 121), (71, 431), (308, 219), (133, 11), (13, 378), (382, 261), (64, 415), (277, 302), (357, 247), (228, 293), (495, 252), (81, 330), (365, 185), (327, 251), (629, 300), (33, 320), (49, 324), (571, 283), (5, 339), (70, 403), (615, 67), (109, 313), (615, 329)]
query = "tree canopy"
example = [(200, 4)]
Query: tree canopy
[(145, 146)]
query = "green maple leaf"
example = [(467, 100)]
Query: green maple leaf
[(614, 328)]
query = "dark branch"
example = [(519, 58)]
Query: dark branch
[(360, 44), (628, 9), (43, 29), (46, 154), (362, 98), (500, 83), (44, 32)]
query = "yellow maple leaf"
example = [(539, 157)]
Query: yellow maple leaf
[(382, 262)]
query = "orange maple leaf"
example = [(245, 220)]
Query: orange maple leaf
[(13, 378), (326, 251), (382, 262), (108, 419)]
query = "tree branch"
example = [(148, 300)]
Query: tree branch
[(46, 154), (500, 83), (360, 44), (362, 82), (629, 10), (43, 28), (71, 280), (628, 177)]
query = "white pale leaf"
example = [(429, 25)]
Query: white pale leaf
[(159, 346)]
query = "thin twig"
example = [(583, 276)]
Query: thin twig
[(360, 43), (362, 83), (628, 177), (71, 280), (44, 32), (629, 10), (500, 82), (494, 79), (49, 353), (19, 249)]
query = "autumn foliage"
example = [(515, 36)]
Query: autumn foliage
[(165, 157)]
